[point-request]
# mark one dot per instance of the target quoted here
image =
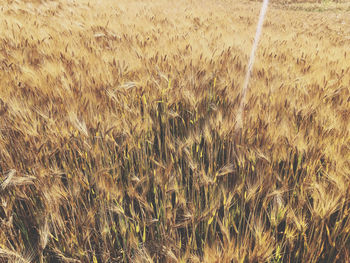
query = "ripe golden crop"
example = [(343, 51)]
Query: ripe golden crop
[(118, 139)]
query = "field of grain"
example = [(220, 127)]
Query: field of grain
[(118, 140)]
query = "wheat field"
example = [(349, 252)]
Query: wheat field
[(118, 140)]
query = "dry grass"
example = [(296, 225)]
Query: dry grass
[(118, 140)]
